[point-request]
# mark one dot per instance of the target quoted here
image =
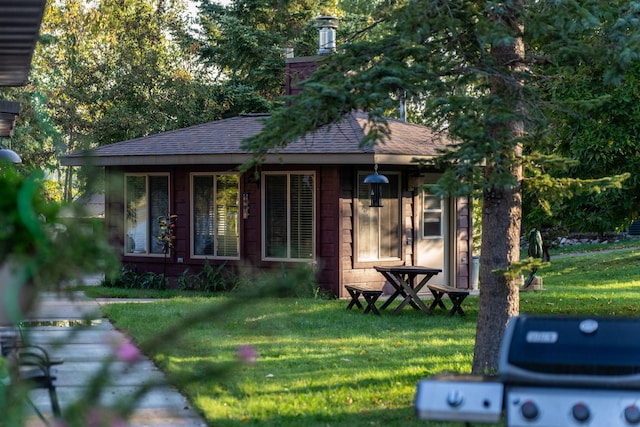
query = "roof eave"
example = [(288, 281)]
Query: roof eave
[(20, 22), (238, 159)]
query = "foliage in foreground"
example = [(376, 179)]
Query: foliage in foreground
[(320, 364)]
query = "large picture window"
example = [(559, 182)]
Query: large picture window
[(146, 199), (379, 228), (215, 215), (431, 216), (289, 216)]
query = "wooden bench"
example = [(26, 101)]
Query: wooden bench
[(455, 295), (370, 296)]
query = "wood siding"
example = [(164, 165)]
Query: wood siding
[(335, 227)]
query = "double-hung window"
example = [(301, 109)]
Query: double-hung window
[(288, 216), (146, 199), (379, 228), (214, 225), (431, 216)]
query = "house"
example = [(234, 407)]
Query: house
[(305, 203), (19, 32)]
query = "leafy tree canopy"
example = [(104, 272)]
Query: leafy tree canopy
[(247, 40), (111, 70), (596, 125)]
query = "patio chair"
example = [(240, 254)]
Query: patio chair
[(32, 366)]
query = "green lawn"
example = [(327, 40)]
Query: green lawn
[(321, 365)]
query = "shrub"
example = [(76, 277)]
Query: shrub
[(298, 281), (130, 279), (209, 279)]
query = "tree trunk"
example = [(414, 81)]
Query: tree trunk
[(502, 207), (67, 195), (499, 296)]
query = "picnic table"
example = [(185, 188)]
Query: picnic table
[(403, 279)]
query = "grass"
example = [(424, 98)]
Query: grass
[(109, 292), (321, 365), (621, 243)]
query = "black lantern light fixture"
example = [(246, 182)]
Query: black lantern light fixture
[(375, 181)]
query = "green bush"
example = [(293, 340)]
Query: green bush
[(209, 279), (130, 279), (298, 281)]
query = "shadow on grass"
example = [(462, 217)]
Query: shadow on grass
[(378, 417)]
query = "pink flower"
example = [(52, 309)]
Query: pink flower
[(128, 352), (247, 354)]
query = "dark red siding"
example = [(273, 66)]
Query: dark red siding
[(335, 222)]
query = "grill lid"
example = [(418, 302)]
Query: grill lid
[(603, 352)]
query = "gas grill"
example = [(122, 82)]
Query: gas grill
[(553, 372)]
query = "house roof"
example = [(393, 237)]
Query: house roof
[(19, 29), (219, 142)]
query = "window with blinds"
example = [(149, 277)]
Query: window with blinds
[(431, 216), (379, 228), (288, 216), (215, 232), (146, 199)]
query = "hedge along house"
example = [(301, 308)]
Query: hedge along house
[(307, 203)]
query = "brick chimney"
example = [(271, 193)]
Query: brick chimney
[(298, 69)]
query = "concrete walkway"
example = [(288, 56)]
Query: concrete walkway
[(84, 350)]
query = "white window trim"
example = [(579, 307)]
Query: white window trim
[(192, 222), (423, 211), (263, 214), (151, 239)]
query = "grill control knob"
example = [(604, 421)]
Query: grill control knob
[(454, 398), (529, 410), (580, 412), (632, 414)]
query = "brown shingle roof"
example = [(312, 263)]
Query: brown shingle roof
[(219, 142)]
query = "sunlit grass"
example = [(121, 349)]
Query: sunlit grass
[(321, 365)]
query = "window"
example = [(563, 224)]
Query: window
[(431, 216), (378, 229), (215, 215), (288, 216), (146, 199)]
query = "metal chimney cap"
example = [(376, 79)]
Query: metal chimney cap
[(327, 22)]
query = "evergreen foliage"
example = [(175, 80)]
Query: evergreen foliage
[(483, 74)]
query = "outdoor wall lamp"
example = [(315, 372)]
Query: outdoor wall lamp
[(8, 155), (375, 181)]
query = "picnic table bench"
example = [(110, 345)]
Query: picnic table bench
[(455, 295), (370, 296)]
